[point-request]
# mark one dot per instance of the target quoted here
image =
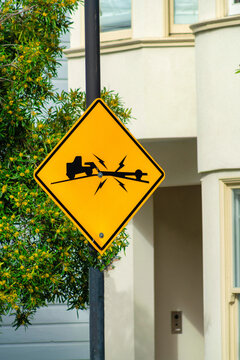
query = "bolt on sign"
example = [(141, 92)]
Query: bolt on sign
[(99, 175)]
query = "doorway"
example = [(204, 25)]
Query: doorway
[(178, 272)]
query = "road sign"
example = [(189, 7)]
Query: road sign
[(99, 175)]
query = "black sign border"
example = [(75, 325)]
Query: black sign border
[(99, 101)]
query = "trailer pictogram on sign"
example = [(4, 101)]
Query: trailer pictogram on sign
[(99, 175), (74, 168)]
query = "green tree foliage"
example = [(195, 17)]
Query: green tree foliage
[(43, 257)]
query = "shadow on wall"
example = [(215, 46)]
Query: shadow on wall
[(178, 272)]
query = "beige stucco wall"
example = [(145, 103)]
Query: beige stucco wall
[(211, 267), (146, 19), (129, 288), (207, 9), (119, 307), (129, 294), (143, 265), (157, 83), (218, 92)]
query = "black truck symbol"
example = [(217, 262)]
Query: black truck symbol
[(76, 167)]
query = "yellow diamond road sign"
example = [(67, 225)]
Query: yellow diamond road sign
[(99, 175)]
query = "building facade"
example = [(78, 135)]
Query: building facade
[(184, 255)]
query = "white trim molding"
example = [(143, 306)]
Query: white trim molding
[(130, 44), (215, 24)]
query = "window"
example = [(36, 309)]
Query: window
[(115, 15), (185, 11), (236, 263), (234, 7), (230, 264), (236, 238), (115, 19), (182, 14)]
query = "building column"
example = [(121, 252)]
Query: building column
[(143, 265)]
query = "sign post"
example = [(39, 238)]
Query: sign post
[(98, 174), (92, 51), (93, 91)]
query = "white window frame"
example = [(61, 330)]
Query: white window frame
[(108, 35), (233, 8), (175, 29), (230, 304)]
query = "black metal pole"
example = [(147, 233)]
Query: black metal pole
[(92, 50), (96, 278), (96, 293)]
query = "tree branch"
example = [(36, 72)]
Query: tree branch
[(8, 16), (2, 79)]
